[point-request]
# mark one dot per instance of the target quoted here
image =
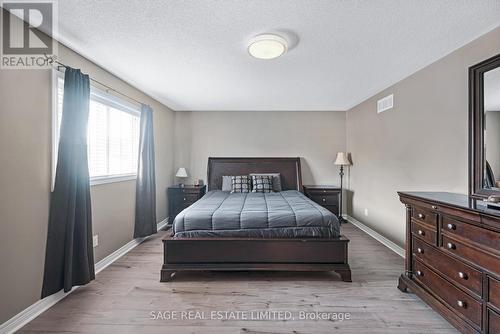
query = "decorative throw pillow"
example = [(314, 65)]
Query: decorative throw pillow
[(240, 184), (226, 183), (262, 183), (276, 180)]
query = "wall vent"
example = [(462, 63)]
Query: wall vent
[(385, 104)]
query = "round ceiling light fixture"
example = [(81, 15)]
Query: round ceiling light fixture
[(267, 46)]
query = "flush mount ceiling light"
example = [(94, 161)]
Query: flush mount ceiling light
[(267, 46)]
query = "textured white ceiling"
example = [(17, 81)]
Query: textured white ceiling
[(191, 55)]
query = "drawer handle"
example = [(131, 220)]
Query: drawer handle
[(461, 304), (450, 245), (420, 250), (419, 273), (462, 275), (324, 191), (184, 199), (421, 216), (421, 232), (324, 199), (451, 226), (434, 207)]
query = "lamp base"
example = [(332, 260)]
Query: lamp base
[(181, 185)]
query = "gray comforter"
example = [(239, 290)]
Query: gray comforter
[(286, 214)]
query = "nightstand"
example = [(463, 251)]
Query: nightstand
[(326, 196), (180, 198)]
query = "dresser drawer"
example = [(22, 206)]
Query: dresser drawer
[(449, 267), (181, 206), (187, 198), (320, 192), (494, 292), (191, 190), (455, 298), (424, 232), (425, 216), (471, 253), (325, 199), (493, 322), (479, 235), (332, 208), (178, 208)]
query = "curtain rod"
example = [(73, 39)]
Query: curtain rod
[(51, 61)]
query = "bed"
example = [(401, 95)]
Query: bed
[(255, 231)]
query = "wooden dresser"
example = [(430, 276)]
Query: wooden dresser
[(326, 196), (180, 198), (453, 258)]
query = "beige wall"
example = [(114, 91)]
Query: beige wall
[(24, 186), (25, 143), (314, 136), (419, 145)]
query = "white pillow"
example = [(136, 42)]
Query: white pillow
[(226, 183)]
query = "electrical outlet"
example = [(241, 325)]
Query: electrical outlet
[(95, 240), (366, 212)]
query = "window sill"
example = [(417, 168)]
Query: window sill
[(111, 179)]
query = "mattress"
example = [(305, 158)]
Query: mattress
[(285, 214)]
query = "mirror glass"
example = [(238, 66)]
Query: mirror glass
[(492, 129)]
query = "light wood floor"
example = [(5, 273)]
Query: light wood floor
[(123, 296)]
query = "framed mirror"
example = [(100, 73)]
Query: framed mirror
[(484, 128)]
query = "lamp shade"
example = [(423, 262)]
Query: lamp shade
[(181, 172), (342, 159)]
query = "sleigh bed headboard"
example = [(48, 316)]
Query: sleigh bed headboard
[(289, 168)]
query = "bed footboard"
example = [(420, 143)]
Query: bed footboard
[(226, 254)]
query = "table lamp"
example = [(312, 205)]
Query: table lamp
[(182, 174)]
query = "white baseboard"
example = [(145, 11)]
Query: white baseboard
[(101, 265), (22, 318), (33, 311), (377, 236)]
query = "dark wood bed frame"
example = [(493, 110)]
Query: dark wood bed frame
[(241, 254)]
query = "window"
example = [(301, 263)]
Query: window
[(113, 134)]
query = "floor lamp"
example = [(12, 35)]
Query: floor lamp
[(342, 160)]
